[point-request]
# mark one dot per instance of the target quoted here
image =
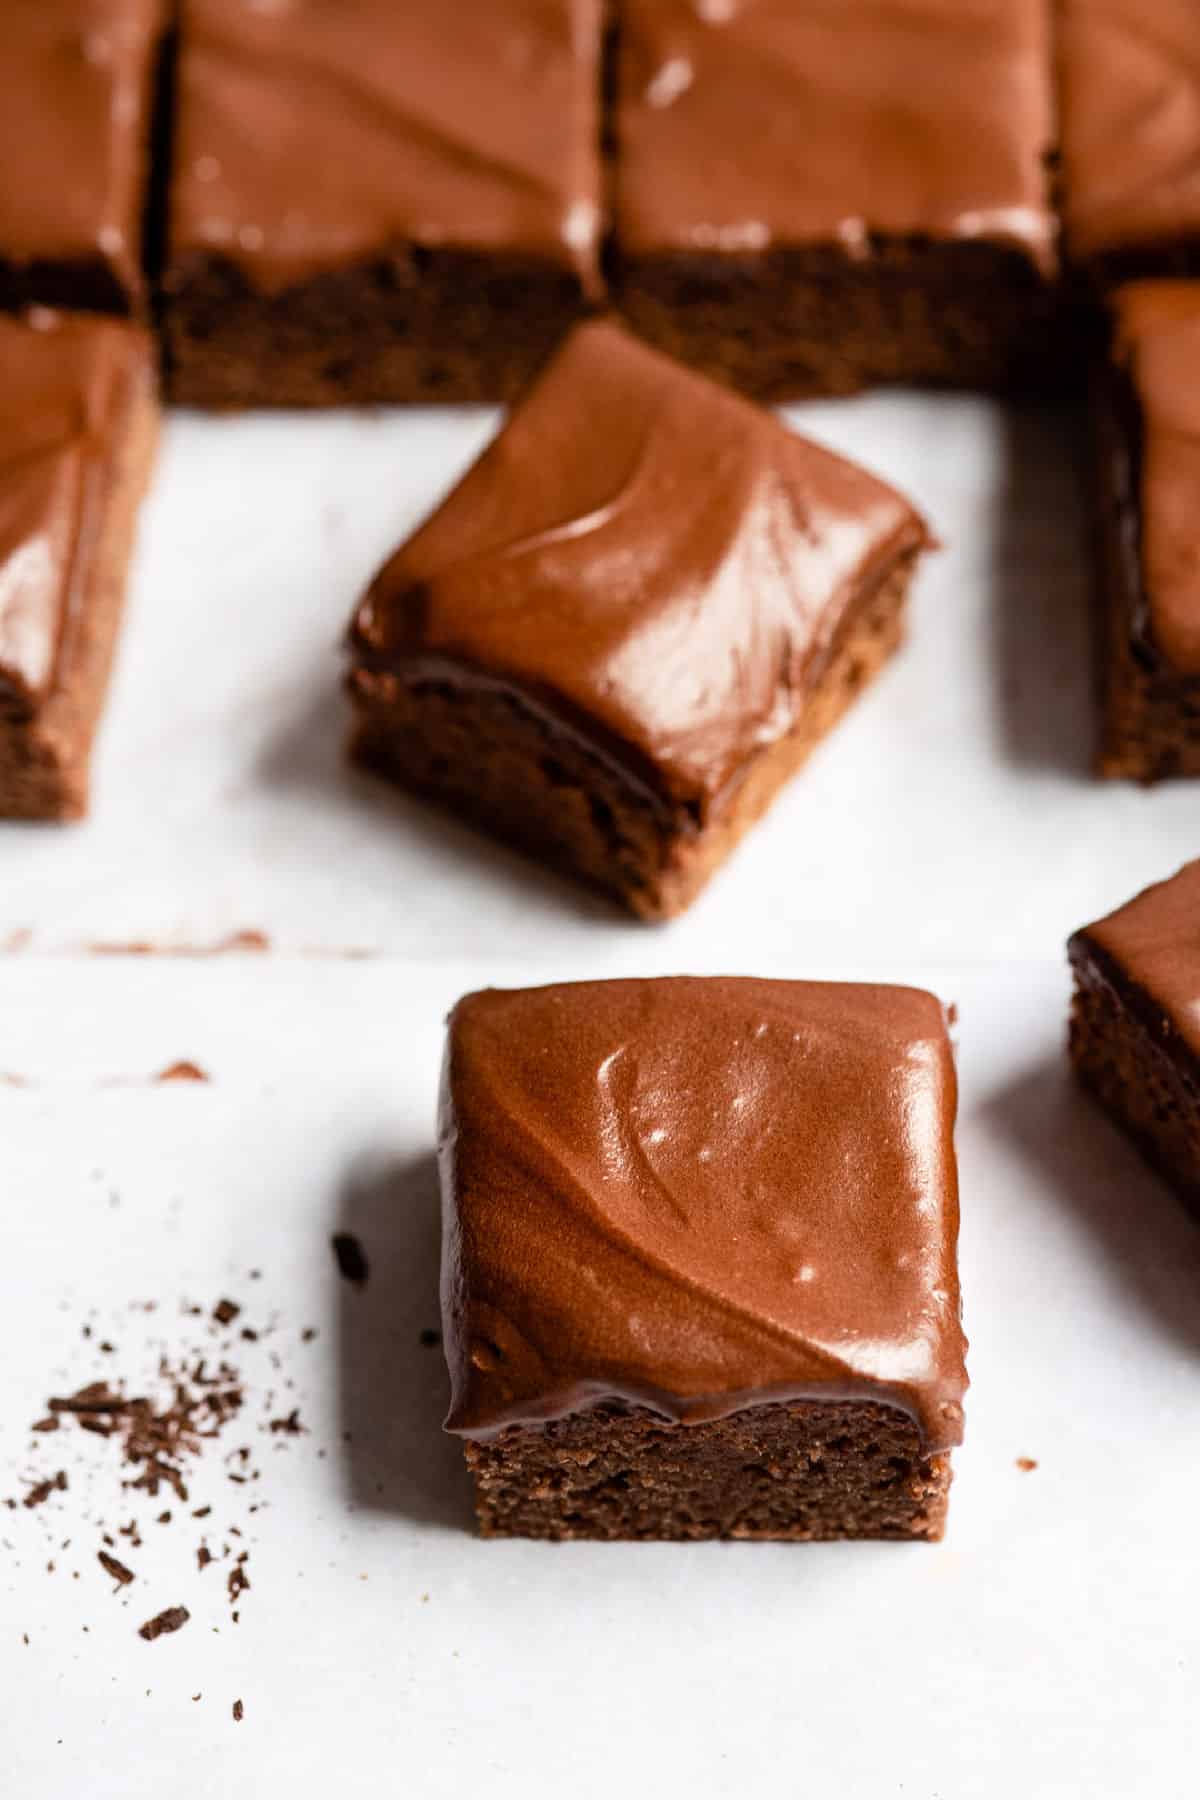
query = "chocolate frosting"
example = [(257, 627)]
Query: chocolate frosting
[(315, 134), (1153, 945), (74, 126), (651, 560), (1130, 104), (744, 124), (1156, 347), (63, 384), (699, 1195)]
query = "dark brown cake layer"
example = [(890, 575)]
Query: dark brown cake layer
[(800, 1472), (888, 217), (630, 622), (76, 107), (1135, 1023), (1146, 436), (380, 204), (78, 426)]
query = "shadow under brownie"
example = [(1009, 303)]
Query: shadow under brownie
[(887, 216), (630, 623), (78, 427), (374, 204), (1134, 1037), (699, 1270)]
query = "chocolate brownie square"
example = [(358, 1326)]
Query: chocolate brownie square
[(78, 422), (699, 1271), (373, 202), (1130, 130), (1147, 461), (631, 621), (77, 84), (1135, 1023), (812, 197)]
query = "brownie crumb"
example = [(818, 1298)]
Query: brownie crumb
[(351, 1258), (172, 1619), (120, 1574), (226, 1311), (183, 1071), (239, 1712), (41, 1491), (1026, 1464)]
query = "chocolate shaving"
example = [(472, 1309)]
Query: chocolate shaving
[(172, 1619), (226, 1311), (351, 1258), (120, 1574), (289, 1427), (41, 1491), (239, 1711)]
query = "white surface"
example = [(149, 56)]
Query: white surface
[(947, 835)]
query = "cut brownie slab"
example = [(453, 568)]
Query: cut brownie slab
[(1135, 1023), (628, 625), (1130, 131), (78, 421), (373, 202), (699, 1259), (1147, 444), (77, 82), (810, 197)]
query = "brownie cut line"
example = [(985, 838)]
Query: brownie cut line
[(699, 1272), (380, 203), (1135, 1023), (629, 624), (810, 198), (75, 143), (78, 426), (1146, 441)]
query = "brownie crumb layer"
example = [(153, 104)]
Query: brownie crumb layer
[(797, 1471)]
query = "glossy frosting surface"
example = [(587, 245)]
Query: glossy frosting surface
[(748, 123), (698, 1193), (1130, 83), (1154, 942), (73, 127), (315, 133), (646, 555), (1156, 342), (62, 387)]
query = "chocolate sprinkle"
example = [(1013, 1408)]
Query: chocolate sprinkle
[(172, 1619), (351, 1258), (120, 1574)]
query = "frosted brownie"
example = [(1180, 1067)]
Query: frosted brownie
[(631, 621), (812, 197), (75, 138), (699, 1271), (78, 422), (1147, 475), (1135, 1023), (1130, 128), (372, 202)]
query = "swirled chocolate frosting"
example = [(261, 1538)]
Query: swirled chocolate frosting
[(698, 1195), (316, 134), (746, 124), (64, 384)]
